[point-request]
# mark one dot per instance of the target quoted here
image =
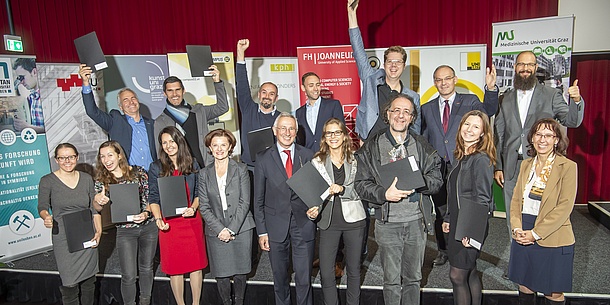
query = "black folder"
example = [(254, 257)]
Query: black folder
[(172, 194), (200, 60), (78, 227), (125, 200), (406, 170), (259, 140), (472, 222), (309, 185), (90, 52)]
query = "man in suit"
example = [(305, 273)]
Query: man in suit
[(131, 129), (521, 106), (378, 85), (191, 120), (440, 122), (280, 216), (254, 115), (316, 111)]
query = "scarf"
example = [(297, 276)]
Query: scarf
[(179, 113), (399, 151), (540, 183)]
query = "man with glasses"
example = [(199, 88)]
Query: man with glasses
[(402, 216), (27, 76), (521, 106), (281, 216), (378, 85), (440, 122), (316, 111), (131, 129)]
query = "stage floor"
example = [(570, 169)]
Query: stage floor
[(591, 265)]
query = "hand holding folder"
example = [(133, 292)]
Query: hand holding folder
[(309, 185)]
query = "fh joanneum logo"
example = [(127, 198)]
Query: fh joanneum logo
[(505, 36)]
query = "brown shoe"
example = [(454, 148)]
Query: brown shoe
[(338, 270), (316, 263)]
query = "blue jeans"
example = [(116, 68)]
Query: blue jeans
[(137, 247), (402, 246)]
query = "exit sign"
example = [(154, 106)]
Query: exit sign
[(13, 43)]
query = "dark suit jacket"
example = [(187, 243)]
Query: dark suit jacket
[(553, 222), (310, 138), (274, 201), (237, 217), (432, 128), (117, 127), (546, 102)]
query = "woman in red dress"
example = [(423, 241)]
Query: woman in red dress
[(181, 238)]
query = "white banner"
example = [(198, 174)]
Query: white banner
[(549, 38)]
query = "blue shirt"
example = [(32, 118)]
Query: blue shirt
[(312, 113), (140, 148)]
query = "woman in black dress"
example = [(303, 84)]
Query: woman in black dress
[(469, 190)]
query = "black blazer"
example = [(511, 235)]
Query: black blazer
[(310, 138)]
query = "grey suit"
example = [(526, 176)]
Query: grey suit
[(227, 259), (546, 102)]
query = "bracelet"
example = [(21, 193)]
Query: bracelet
[(194, 209), (157, 219), (147, 213)]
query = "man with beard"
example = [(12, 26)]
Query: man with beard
[(191, 120), (253, 116), (378, 85), (403, 216), (316, 111), (525, 104)]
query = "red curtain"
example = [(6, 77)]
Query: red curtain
[(274, 27), (589, 145)]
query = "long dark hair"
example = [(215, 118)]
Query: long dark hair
[(347, 148), (184, 160), (103, 175), (485, 144)]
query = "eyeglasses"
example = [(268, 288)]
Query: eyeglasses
[(398, 111), (20, 78), (336, 133), (525, 64), (394, 62), (285, 129), (66, 158), (447, 79), (544, 136)]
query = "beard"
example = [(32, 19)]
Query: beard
[(266, 104), (525, 83)]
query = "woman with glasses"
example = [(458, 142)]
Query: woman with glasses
[(542, 251), (136, 241), (342, 214), (469, 195), (224, 195), (64, 191), (181, 238)]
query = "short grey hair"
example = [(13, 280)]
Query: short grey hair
[(286, 115), (118, 95)]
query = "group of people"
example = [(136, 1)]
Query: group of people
[(449, 140)]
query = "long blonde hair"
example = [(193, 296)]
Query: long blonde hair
[(486, 143), (347, 148)]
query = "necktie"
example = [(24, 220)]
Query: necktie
[(446, 112), (288, 163)]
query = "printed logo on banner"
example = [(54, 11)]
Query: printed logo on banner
[(22, 222), (505, 36), (275, 68), (6, 78), (8, 137)]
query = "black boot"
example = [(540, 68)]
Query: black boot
[(527, 298), (551, 302), (69, 295), (224, 290)]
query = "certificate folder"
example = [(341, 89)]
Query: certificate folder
[(200, 60), (172, 194), (90, 52), (78, 227), (409, 176), (472, 222), (309, 185), (259, 140), (125, 200)]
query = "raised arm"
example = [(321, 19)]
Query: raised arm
[(101, 118)]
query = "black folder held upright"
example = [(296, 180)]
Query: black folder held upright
[(78, 227), (471, 222), (125, 199), (172, 194), (200, 60), (90, 52), (309, 185), (259, 140)]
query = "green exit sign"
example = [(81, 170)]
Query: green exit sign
[(13, 43)]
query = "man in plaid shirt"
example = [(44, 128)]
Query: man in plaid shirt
[(27, 75)]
